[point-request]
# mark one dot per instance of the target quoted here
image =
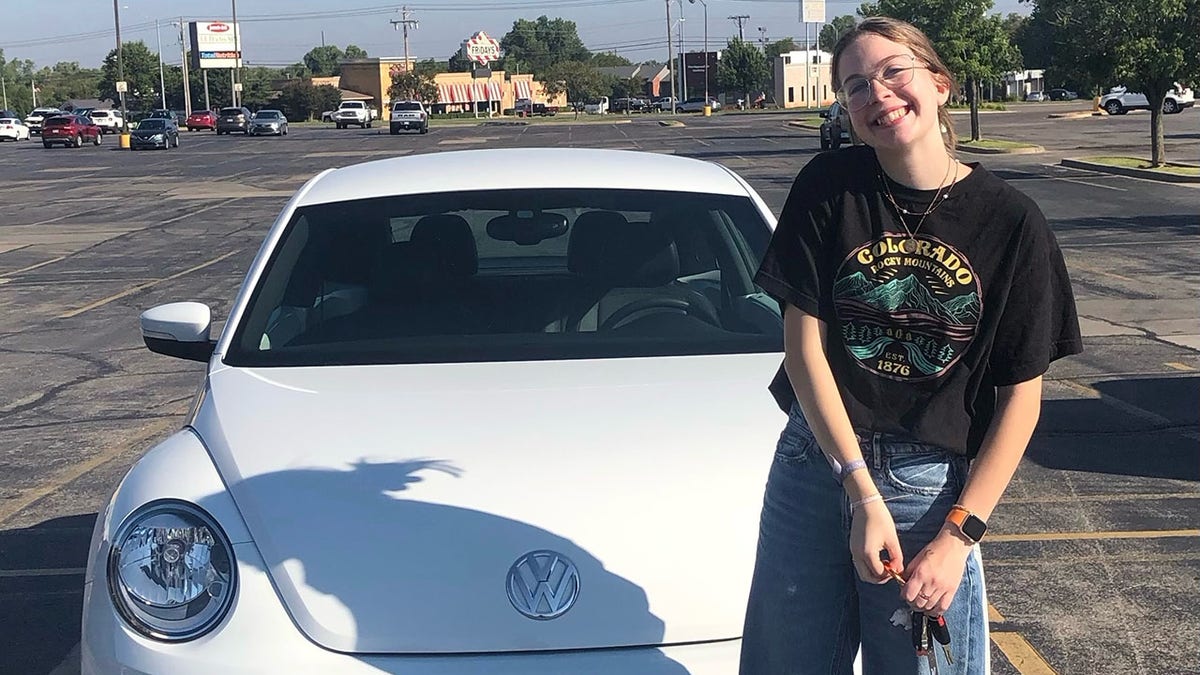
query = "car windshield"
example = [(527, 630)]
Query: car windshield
[(231, 111), (407, 106), (153, 124), (266, 115), (58, 121), (6, 120), (506, 275)]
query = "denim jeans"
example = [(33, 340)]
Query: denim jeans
[(808, 611)]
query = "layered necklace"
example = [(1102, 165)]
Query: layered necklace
[(939, 198)]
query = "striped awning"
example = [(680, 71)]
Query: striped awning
[(463, 92), (522, 89)]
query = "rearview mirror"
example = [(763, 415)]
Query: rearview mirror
[(527, 228)]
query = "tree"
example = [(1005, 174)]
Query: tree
[(835, 29), (1146, 46), (298, 100), (141, 76), (581, 81), (539, 45), (778, 47), (325, 97), (972, 43), (17, 76), (609, 59), (429, 67), (629, 86), (324, 61), (742, 67), (355, 52), (412, 86)]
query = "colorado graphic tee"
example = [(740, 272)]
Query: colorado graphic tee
[(921, 328)]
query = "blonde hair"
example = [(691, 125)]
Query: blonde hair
[(910, 36)]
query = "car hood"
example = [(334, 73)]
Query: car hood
[(391, 502)]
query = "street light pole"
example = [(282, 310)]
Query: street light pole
[(670, 58), (705, 4), (120, 66), (162, 86), (235, 77)]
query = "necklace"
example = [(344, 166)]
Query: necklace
[(938, 199)]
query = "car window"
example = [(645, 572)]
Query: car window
[(407, 106), (511, 275), (231, 111), (154, 123), (58, 121), (266, 115)]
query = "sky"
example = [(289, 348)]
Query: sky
[(280, 32)]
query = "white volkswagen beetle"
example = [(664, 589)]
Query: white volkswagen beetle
[(461, 421)]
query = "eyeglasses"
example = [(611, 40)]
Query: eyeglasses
[(896, 72)]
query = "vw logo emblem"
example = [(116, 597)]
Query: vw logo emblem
[(543, 585)]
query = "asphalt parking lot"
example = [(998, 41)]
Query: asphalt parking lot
[(1093, 557)]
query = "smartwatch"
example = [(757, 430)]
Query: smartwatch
[(971, 525)]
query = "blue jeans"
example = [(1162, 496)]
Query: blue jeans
[(808, 611)]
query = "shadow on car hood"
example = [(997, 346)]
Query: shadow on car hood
[(391, 503)]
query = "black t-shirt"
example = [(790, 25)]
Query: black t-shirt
[(921, 330)]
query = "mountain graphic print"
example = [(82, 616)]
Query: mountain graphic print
[(907, 307)]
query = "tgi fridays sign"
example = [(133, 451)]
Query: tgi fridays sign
[(481, 49), (214, 44)]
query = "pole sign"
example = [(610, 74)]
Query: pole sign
[(214, 45), (481, 49), (813, 11)]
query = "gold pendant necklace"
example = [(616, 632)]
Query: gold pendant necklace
[(938, 198)]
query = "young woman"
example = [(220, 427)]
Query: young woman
[(924, 298)]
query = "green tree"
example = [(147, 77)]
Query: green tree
[(742, 68), (17, 74), (355, 52), (835, 29), (629, 86), (457, 63), (973, 44), (324, 61), (141, 76), (430, 67), (325, 97), (298, 100), (778, 47), (1146, 46), (609, 59), (581, 81), (539, 45), (66, 81), (413, 86)]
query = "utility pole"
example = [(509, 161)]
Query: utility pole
[(762, 38), (162, 83), (33, 90), (670, 58), (402, 24), (740, 19), (120, 67), (235, 74), (4, 90), (682, 56), (187, 87)]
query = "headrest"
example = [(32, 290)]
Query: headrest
[(606, 248), (451, 241), (404, 270), (690, 228)]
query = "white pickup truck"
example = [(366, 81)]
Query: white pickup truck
[(353, 112), (409, 115)]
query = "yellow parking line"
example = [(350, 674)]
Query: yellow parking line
[(1022, 655), (994, 615), (1054, 536), (1178, 366), (50, 262), (140, 287)]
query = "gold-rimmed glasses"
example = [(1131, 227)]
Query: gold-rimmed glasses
[(895, 72)]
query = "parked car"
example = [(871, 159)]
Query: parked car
[(1119, 101), (37, 116), (1036, 96), (661, 104), (353, 112), (154, 133), (109, 121), (201, 119), (270, 122), (408, 115), (628, 105), (526, 108), (164, 114), (325, 509), (12, 128), (1059, 94), (835, 127), (597, 106), (697, 103), (70, 130), (233, 119), (327, 116)]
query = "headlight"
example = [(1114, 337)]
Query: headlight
[(171, 571), (157, 137)]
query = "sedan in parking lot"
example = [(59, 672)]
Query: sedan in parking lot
[(492, 422), (270, 122), (153, 133), (201, 119), (233, 119), (13, 129), (70, 130)]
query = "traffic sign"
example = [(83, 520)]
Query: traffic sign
[(122, 87)]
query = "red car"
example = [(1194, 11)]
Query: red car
[(70, 130), (202, 119)]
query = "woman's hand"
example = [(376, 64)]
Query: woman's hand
[(936, 572), (872, 530)]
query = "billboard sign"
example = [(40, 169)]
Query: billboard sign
[(214, 44), (813, 11), (481, 49)]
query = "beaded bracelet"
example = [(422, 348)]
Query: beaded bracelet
[(866, 500)]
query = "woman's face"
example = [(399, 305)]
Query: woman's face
[(898, 118)]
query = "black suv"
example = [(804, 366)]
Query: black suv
[(230, 120)]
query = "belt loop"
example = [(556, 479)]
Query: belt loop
[(876, 451)]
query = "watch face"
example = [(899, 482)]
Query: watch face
[(974, 528)]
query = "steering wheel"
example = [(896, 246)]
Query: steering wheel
[(648, 306)]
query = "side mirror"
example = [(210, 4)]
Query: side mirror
[(179, 329), (527, 228), (824, 114)]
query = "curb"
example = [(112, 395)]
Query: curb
[(1026, 150), (1127, 171), (671, 123), (804, 125), (1077, 115)]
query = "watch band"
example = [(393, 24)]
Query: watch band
[(970, 525)]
